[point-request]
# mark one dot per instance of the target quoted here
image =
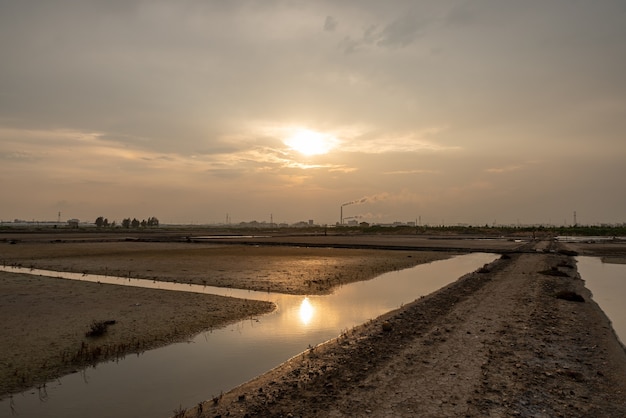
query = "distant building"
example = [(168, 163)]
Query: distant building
[(73, 223), (300, 224)]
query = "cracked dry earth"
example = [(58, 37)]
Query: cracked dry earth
[(496, 343)]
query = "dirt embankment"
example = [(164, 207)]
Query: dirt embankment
[(511, 340)]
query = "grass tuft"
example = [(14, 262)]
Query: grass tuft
[(98, 328)]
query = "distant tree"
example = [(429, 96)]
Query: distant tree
[(106, 222), (99, 221), (126, 223), (135, 223), (144, 223), (153, 221)]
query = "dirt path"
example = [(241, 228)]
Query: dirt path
[(496, 343)]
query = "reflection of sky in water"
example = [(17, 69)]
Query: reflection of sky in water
[(607, 283), (156, 382)]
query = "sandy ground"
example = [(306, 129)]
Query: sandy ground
[(44, 320), (498, 342)]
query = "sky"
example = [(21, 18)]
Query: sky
[(198, 111)]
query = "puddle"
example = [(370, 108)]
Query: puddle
[(607, 283)]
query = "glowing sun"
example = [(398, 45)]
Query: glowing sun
[(309, 142)]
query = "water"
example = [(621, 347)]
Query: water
[(145, 283), (157, 382), (588, 238), (607, 283)]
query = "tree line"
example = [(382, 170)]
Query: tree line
[(102, 222)]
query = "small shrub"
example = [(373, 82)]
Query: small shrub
[(99, 328), (180, 412)]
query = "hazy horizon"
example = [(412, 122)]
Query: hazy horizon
[(451, 111)]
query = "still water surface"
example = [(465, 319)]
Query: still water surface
[(158, 381), (607, 283)]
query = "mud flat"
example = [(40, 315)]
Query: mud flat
[(44, 321), (290, 269), (513, 339)]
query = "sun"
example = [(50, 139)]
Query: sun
[(308, 142)]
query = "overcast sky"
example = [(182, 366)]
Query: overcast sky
[(441, 111)]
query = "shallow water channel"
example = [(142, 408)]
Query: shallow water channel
[(607, 283), (157, 382)]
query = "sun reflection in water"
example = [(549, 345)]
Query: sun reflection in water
[(306, 311)]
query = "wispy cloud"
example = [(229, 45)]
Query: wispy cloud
[(505, 169), (417, 171), (373, 143), (512, 167)]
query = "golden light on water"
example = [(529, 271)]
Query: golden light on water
[(306, 311)]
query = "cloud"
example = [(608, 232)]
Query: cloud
[(142, 99), (400, 32), (396, 142), (403, 172), (506, 169), (398, 29), (330, 24), (512, 167), (24, 156)]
